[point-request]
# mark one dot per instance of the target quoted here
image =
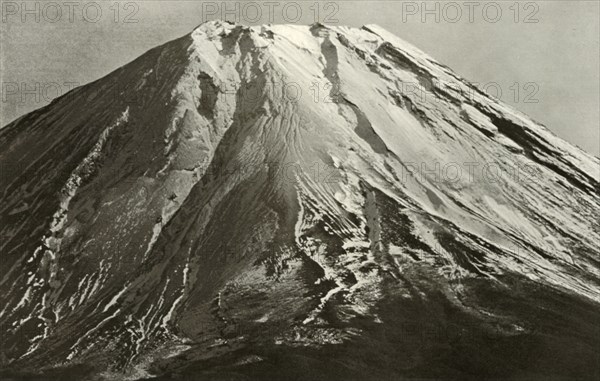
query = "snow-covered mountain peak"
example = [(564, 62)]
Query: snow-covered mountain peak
[(318, 183)]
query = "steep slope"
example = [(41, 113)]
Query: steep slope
[(245, 200)]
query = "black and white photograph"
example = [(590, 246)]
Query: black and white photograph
[(238, 190)]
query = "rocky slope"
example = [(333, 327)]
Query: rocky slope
[(294, 202)]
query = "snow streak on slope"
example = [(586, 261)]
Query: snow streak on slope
[(281, 179)]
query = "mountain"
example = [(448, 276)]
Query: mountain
[(294, 202)]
